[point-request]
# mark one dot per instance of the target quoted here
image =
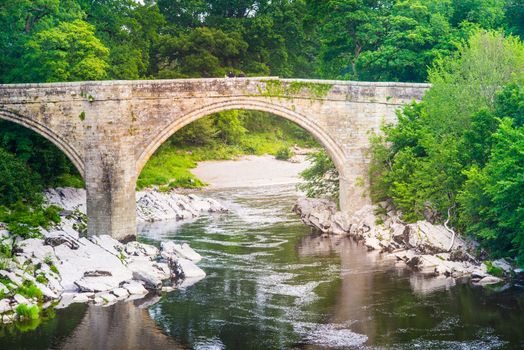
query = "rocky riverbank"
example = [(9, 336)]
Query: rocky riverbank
[(63, 266), (423, 246)]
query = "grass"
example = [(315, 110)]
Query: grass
[(28, 312), (29, 290), (170, 167)]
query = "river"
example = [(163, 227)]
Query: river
[(272, 285)]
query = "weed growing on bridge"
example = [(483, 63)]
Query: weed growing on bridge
[(276, 88)]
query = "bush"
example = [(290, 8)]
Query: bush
[(284, 153), (321, 178)]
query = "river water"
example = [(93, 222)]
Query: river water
[(272, 285)]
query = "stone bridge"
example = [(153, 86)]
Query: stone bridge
[(109, 129)]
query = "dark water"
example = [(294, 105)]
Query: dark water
[(272, 285)]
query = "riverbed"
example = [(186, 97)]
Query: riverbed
[(272, 285)]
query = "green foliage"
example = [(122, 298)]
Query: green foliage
[(17, 182), (284, 153), (54, 269), (493, 270), (492, 199), (29, 290), (42, 279), (28, 312), (25, 221), (462, 146), (48, 166), (68, 52), (321, 178)]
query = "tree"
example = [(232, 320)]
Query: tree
[(67, 52), (492, 201), (348, 28), (203, 52), (414, 34), (17, 182), (420, 163)]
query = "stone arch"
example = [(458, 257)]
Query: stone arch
[(329, 144), (48, 134)]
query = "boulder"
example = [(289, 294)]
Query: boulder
[(430, 239), (89, 257), (8, 318), (48, 293), (107, 298), (97, 284), (181, 251), (315, 212), (189, 269), (12, 276), (108, 243), (503, 264), (135, 248), (21, 299), (489, 280), (120, 293), (142, 271), (340, 223), (3, 288), (82, 297), (135, 288), (5, 305)]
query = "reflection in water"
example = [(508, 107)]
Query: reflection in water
[(120, 326), (272, 285)]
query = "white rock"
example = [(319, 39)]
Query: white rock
[(107, 298), (188, 282), (3, 288), (12, 276), (81, 298), (67, 197), (5, 305), (108, 243), (8, 318), (135, 288), (489, 280), (181, 251), (340, 224), (141, 249), (21, 299), (429, 238), (120, 293), (48, 293), (97, 284), (88, 257), (145, 271), (190, 269), (502, 264)]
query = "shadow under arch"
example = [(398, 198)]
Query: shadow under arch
[(332, 148), (48, 134)]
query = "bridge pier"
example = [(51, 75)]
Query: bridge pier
[(110, 172)]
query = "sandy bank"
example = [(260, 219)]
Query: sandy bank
[(249, 171)]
